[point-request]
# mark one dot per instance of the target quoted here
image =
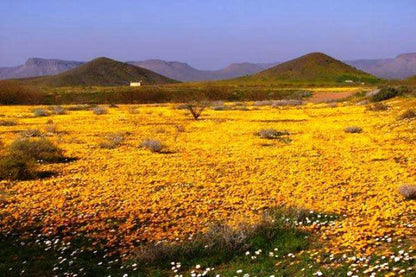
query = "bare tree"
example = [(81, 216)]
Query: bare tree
[(196, 109)]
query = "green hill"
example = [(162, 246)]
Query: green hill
[(101, 72), (311, 68)]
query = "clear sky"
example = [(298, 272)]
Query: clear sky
[(208, 34)]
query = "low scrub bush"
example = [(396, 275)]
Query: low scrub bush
[(408, 191), (51, 128), (133, 110), (222, 242), (353, 129), (16, 167), (31, 133), (39, 149), (80, 108), (378, 106), (384, 94), (152, 145), (8, 123), (262, 103), (290, 102), (112, 141), (99, 110), (12, 93), (40, 112), (58, 110), (19, 162), (271, 133), (409, 114), (180, 128)]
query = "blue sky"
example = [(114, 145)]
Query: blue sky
[(206, 34)]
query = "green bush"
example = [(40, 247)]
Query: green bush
[(16, 167), (384, 94), (38, 149)]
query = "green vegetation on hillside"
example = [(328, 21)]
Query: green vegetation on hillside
[(101, 72), (311, 68)]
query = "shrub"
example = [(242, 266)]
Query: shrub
[(31, 133), (112, 141), (262, 103), (16, 167), (384, 94), (224, 241), (152, 145), (38, 149), (408, 191), (8, 123), (133, 110), (239, 106), (180, 128), (290, 102), (271, 133), (51, 128), (353, 129), (40, 112), (57, 110), (99, 110), (219, 108), (409, 114), (79, 108), (196, 109), (377, 107), (12, 93)]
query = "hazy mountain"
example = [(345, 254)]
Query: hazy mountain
[(401, 67), (184, 72), (101, 72), (37, 67), (313, 67)]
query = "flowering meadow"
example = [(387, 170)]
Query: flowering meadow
[(113, 191)]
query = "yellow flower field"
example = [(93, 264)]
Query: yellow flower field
[(217, 169)]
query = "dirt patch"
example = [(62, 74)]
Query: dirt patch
[(329, 96)]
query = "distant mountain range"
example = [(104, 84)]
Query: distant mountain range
[(101, 72), (311, 68), (401, 67), (184, 72), (35, 67)]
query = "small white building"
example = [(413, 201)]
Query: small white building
[(349, 81), (136, 84)]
